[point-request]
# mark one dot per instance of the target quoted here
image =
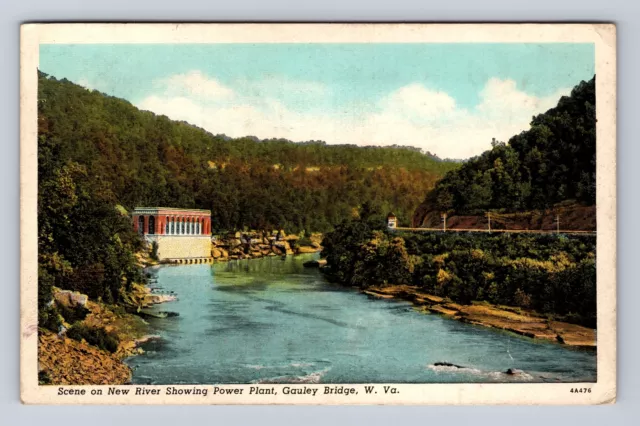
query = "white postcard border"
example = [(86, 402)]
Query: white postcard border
[(602, 35)]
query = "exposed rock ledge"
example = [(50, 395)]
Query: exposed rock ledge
[(525, 323), (64, 361), (256, 244), (68, 362)]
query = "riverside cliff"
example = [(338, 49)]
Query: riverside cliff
[(94, 338)]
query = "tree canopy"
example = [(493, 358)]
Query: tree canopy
[(144, 159), (553, 161)]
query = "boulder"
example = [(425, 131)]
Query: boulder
[(447, 364), (216, 253), (235, 242), (282, 245), (62, 330), (154, 299), (306, 249), (315, 263), (70, 299), (316, 238)]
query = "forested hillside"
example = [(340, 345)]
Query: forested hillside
[(139, 158), (553, 161)]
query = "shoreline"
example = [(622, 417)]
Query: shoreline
[(66, 361), (519, 321)]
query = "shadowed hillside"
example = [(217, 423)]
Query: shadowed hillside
[(551, 163)]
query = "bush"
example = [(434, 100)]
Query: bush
[(73, 315), (540, 272), (44, 378), (154, 250), (521, 299), (47, 314), (94, 336), (49, 318), (305, 241)]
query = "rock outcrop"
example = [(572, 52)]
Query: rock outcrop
[(255, 244), (64, 361), (525, 323), (70, 299)]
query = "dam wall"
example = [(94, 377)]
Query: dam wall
[(172, 247)]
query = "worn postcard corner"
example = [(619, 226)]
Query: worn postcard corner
[(398, 214)]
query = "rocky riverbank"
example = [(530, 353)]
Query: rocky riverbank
[(515, 320), (255, 244), (94, 338)]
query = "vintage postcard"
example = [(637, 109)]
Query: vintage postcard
[(318, 213)]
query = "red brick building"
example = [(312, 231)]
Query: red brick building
[(171, 221), (181, 235)]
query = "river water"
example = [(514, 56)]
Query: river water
[(271, 320)]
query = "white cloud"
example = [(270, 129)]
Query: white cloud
[(412, 115), (416, 101), (84, 83), (278, 86), (502, 100), (98, 85), (195, 83)]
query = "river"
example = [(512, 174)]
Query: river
[(271, 320)]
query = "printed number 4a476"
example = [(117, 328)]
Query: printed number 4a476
[(580, 390)]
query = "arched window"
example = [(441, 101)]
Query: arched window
[(141, 225), (152, 225), (166, 225), (182, 226)]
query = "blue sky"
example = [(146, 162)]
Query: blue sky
[(446, 98)]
